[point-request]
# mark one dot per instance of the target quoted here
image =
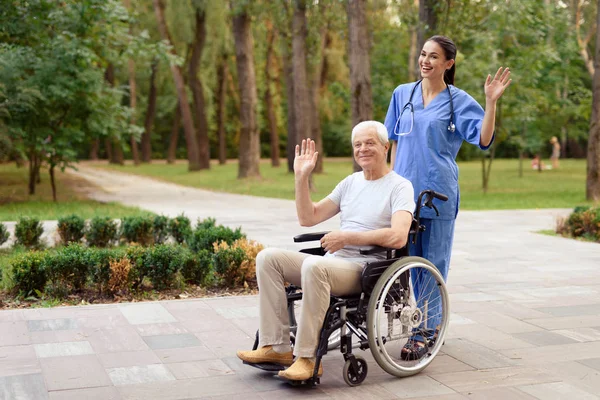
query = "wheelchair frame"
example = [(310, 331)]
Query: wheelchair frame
[(349, 314)]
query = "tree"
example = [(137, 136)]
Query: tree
[(269, 95), (150, 115), (302, 111), (186, 114), (592, 191), (132, 93), (196, 85), (361, 98), (244, 54)]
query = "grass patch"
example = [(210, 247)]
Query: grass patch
[(547, 232), (562, 188), (16, 202)]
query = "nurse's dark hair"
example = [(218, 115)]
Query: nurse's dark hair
[(450, 52)]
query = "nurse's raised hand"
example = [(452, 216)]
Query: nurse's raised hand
[(495, 87), (306, 158)]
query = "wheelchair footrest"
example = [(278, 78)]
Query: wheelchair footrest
[(270, 367)]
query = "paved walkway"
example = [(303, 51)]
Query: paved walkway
[(525, 320)]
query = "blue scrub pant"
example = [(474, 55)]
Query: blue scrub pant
[(435, 245)]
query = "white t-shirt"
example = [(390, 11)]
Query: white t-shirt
[(367, 205)]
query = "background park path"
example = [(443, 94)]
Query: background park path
[(525, 320)]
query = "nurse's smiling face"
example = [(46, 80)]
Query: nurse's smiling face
[(369, 152), (433, 62)]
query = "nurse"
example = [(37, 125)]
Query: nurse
[(428, 121)]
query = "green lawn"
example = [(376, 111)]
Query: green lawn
[(15, 201), (562, 188)]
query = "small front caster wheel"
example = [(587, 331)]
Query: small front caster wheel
[(354, 376)]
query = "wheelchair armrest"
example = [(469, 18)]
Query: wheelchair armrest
[(309, 237), (366, 251)]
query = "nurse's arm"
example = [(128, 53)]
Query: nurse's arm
[(488, 125), (393, 154)]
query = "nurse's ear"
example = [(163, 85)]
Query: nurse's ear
[(449, 64)]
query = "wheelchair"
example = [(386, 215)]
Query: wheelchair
[(402, 297)]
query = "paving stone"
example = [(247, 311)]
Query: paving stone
[(549, 354), (592, 363), (103, 321), (160, 329), (118, 339), (224, 343), (14, 333), (468, 381), (488, 337), (557, 390), (366, 391), (444, 363), (498, 393), (503, 322), (238, 312), (187, 305), (416, 386), (11, 316), (475, 355), (52, 325), (544, 338), (18, 360), (151, 313), (78, 372), (128, 359), (564, 311), (580, 334), (199, 369), (63, 349), (43, 337), (172, 341), (185, 389), (139, 374), (99, 393), (23, 387), (575, 373), (198, 353)]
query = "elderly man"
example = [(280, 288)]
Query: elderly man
[(376, 208)]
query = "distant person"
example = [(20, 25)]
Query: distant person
[(535, 163), (555, 152)]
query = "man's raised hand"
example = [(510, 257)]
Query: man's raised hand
[(306, 158)]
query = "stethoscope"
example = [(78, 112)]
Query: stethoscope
[(409, 105)]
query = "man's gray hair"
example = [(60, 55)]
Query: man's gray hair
[(382, 132)]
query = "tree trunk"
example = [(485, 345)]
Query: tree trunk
[(222, 72), (173, 139), (132, 95), (413, 53), (52, 182), (302, 111), (186, 114), (198, 92), (427, 26), (94, 150), (249, 135), (592, 191), (32, 170), (269, 82), (115, 155), (150, 114), (315, 96), (361, 98), (108, 147), (292, 137)]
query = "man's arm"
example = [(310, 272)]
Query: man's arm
[(394, 237), (309, 213)]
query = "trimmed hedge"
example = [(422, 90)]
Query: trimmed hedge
[(101, 232), (28, 232), (71, 229), (4, 235)]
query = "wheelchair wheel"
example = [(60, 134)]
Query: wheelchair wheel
[(409, 304), (355, 376), (334, 339)]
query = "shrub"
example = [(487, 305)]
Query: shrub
[(101, 232), (227, 263), (180, 228), (162, 262), (68, 267), (207, 233), (71, 229), (119, 274), (196, 268), (4, 235), (28, 273), (138, 230), (137, 256), (160, 228), (100, 259), (582, 222), (28, 232)]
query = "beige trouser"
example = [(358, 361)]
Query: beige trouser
[(318, 276)]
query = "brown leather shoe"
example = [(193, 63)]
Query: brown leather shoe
[(266, 354), (301, 370)]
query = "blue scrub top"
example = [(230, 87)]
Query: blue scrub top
[(426, 156)]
